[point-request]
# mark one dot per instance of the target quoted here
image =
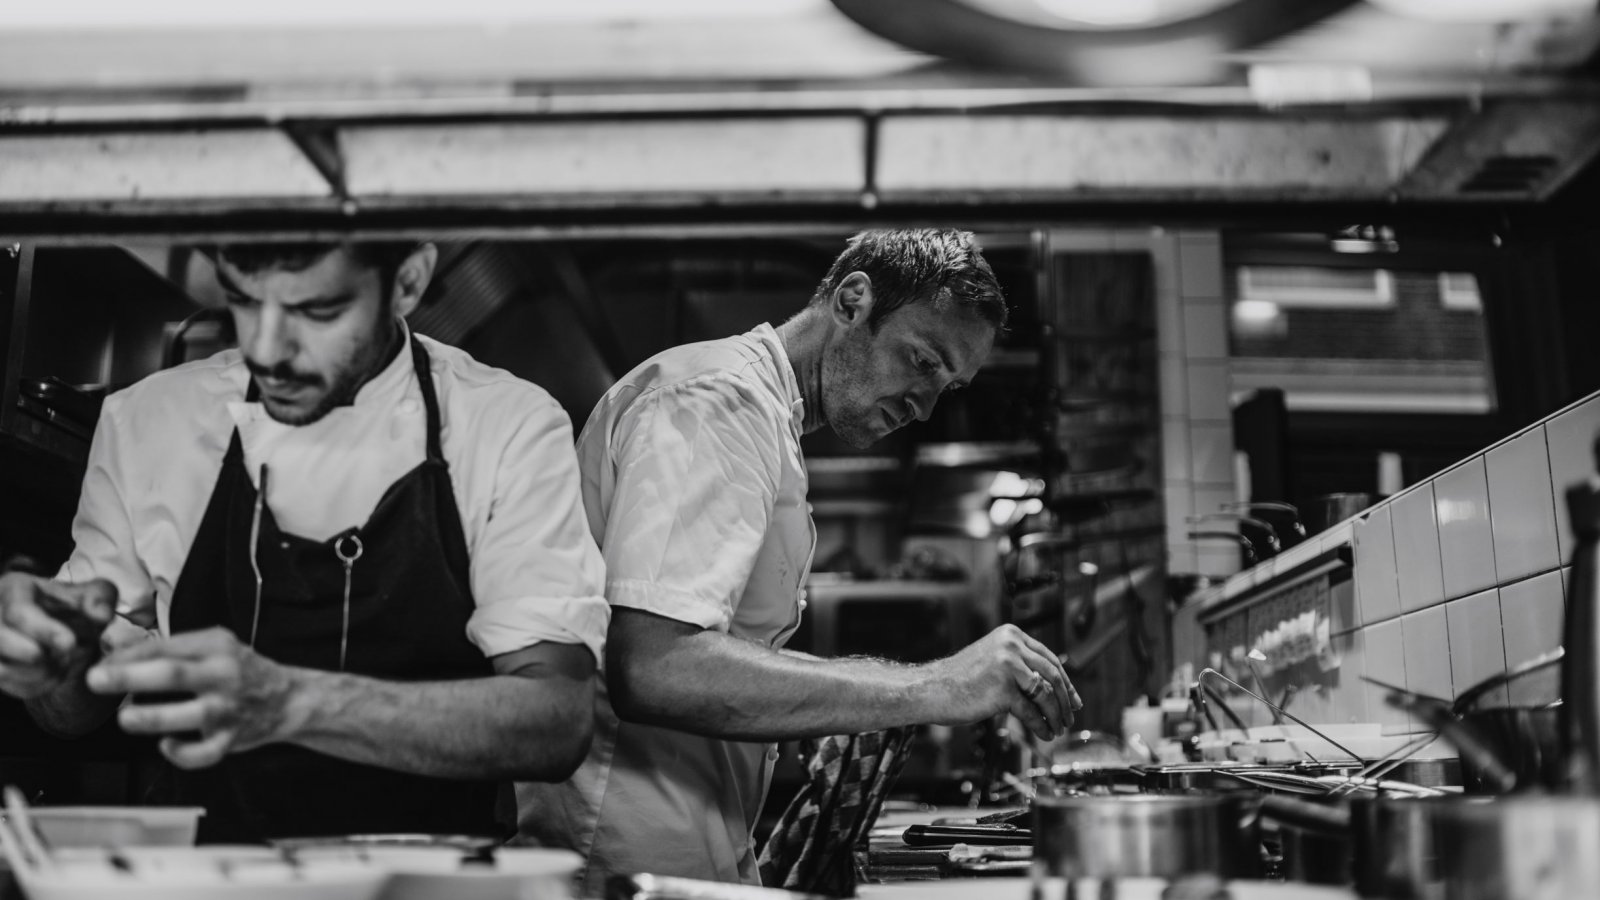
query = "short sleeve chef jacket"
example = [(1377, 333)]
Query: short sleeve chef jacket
[(695, 488), (535, 572)]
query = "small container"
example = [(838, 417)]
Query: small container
[(117, 826)]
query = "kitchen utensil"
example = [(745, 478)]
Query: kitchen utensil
[(1467, 736), (663, 887), (1200, 679), (950, 835), (509, 873), (1394, 853), (1580, 669), (1519, 848), (1331, 509), (1524, 740), (1145, 834)]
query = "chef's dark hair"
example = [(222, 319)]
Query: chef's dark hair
[(251, 258), (939, 266)]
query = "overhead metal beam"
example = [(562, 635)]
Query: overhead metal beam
[(1509, 151)]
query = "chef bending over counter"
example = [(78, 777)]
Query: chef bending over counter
[(695, 489), (343, 569)]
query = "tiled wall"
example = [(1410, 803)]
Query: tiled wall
[(1196, 419), (1454, 579)]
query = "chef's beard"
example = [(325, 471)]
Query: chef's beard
[(341, 389), (854, 415)]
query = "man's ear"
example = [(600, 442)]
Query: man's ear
[(411, 279), (851, 303)]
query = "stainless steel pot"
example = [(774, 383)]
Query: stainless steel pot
[(1527, 741), (1146, 835), (1519, 848), (1393, 849)]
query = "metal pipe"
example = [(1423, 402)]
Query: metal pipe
[(1270, 705)]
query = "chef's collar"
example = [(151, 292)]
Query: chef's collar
[(394, 379), (791, 385)]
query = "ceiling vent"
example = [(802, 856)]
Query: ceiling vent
[(1510, 175)]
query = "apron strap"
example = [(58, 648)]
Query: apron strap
[(430, 399)]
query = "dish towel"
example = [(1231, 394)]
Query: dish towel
[(812, 846)]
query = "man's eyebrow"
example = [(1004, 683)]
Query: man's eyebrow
[(231, 287), (323, 302)]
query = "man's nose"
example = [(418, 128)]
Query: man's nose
[(921, 403), (272, 341)]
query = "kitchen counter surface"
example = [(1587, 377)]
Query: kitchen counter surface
[(1125, 889)]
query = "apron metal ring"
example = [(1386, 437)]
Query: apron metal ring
[(348, 557)]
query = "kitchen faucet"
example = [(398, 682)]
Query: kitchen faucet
[(1262, 525), (1257, 507), (1250, 555)]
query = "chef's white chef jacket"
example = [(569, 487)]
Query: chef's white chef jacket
[(535, 572), (696, 490)]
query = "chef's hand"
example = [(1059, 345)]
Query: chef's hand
[(50, 631), (241, 699), (998, 673)]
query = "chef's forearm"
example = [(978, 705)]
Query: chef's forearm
[(712, 684), (501, 727)]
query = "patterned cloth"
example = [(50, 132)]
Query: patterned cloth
[(812, 847)]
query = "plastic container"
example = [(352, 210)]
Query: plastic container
[(117, 826), (197, 873)]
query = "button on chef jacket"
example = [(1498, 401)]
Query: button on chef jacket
[(535, 572), (695, 488)]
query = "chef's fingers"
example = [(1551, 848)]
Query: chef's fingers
[(17, 649), (1037, 686), (208, 751), (1055, 670), (163, 718), (188, 645), (95, 599), (1057, 693), (1028, 713), (160, 675), (30, 621)]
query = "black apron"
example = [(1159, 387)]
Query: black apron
[(409, 604)]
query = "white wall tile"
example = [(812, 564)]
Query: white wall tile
[(1174, 449), (1209, 386), (1215, 559), (1174, 381), (1200, 264), (1521, 511), (1342, 606), (1416, 549), (1205, 329), (1571, 437), (1532, 614), (1212, 497), (1466, 540), (1427, 648), (1477, 649), (1385, 660), (1377, 589), (1211, 452), (1347, 692), (1179, 496), (1181, 559)]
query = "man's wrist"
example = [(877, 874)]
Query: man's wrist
[(303, 693)]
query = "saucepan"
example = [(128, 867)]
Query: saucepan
[(1160, 835), (1524, 847)]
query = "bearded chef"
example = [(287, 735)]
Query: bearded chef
[(342, 570)]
